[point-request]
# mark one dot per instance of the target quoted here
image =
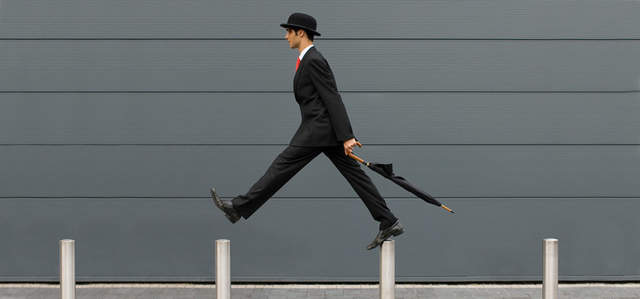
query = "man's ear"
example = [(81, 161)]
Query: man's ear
[(303, 33)]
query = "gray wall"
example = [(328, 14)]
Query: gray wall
[(117, 116)]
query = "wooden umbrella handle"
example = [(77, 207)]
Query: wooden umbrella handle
[(356, 158)]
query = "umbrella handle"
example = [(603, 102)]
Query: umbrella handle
[(357, 158)]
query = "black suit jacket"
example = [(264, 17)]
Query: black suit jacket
[(324, 117)]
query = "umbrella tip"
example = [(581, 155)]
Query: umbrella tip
[(446, 208)]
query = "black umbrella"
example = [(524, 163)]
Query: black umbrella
[(386, 170)]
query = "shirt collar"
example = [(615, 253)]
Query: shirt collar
[(305, 51)]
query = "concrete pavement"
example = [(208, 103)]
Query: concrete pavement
[(317, 291)]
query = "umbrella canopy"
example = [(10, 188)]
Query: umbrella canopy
[(386, 170)]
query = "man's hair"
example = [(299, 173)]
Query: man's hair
[(309, 34)]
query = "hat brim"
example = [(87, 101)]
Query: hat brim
[(294, 26)]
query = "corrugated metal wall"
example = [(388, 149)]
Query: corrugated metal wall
[(117, 116)]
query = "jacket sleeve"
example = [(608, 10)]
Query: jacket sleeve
[(325, 84)]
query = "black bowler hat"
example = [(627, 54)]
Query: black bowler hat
[(302, 21)]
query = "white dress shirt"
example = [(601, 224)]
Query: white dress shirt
[(305, 51)]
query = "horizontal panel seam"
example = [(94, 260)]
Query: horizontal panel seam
[(316, 197), (317, 39), (341, 91), (285, 144)]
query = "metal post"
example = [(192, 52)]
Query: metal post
[(387, 270), (550, 269), (223, 269), (67, 269)]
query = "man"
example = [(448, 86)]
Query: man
[(325, 128)]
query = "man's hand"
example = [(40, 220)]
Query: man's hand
[(349, 144)]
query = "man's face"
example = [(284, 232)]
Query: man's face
[(293, 38)]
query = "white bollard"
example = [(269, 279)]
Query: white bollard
[(223, 269), (550, 269), (67, 269), (387, 270)]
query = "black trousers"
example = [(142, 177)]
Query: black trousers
[(294, 158)]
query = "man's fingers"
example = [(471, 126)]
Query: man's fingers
[(349, 148)]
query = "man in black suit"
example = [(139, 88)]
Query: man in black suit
[(325, 128)]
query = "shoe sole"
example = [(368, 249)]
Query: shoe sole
[(218, 203), (394, 232), (398, 232)]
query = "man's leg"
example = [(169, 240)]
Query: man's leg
[(283, 168), (362, 184)]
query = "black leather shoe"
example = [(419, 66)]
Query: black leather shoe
[(393, 230), (226, 206)]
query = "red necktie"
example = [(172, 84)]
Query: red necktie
[(297, 63)]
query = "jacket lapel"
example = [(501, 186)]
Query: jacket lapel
[(299, 70)]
